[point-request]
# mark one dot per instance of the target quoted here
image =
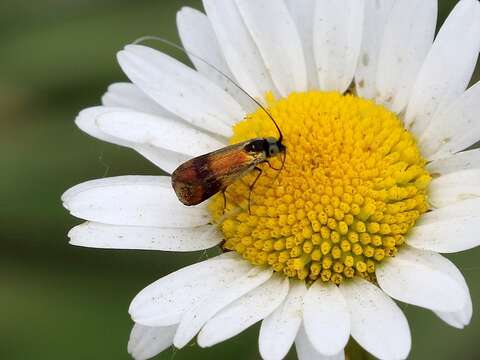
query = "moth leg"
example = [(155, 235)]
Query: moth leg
[(260, 171), (281, 168), (271, 167), (224, 200)]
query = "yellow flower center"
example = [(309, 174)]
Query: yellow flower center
[(352, 186)]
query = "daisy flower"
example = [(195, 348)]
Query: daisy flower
[(375, 114)]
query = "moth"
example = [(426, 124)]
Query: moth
[(200, 178)]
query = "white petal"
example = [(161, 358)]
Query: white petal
[(376, 16), (455, 128), (448, 236), (423, 278), (326, 318), (164, 159), (96, 235), (338, 28), (166, 300), (451, 319), (180, 89), (86, 121), (195, 317), (146, 342), (462, 317), (198, 38), (269, 23), (160, 132), (244, 312), (278, 330), (462, 209), (407, 38), (454, 187), (238, 47), (448, 229), (78, 189), (128, 96), (460, 161), (302, 14), (378, 324), (448, 67), (306, 351), (458, 319), (132, 200)]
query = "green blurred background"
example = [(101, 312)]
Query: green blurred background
[(63, 302)]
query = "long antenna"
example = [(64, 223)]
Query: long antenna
[(178, 47)]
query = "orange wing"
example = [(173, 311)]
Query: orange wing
[(202, 177)]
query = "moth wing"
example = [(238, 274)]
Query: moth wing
[(202, 177)]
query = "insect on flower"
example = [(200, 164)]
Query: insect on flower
[(198, 179), (202, 177)]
